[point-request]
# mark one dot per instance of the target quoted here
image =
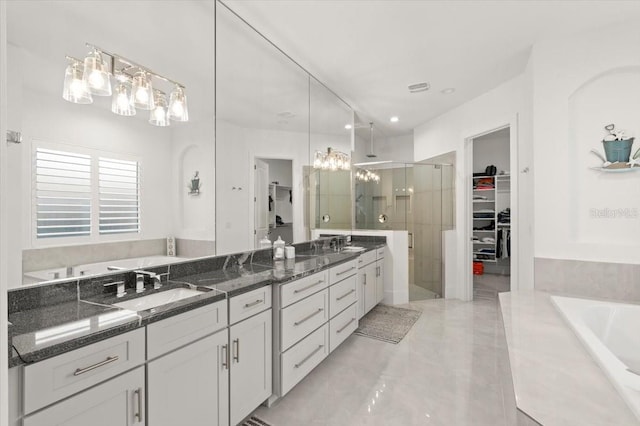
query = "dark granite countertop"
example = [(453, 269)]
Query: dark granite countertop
[(45, 330)]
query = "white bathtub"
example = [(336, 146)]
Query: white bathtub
[(611, 333), (98, 268)]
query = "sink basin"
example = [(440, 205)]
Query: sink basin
[(158, 299)]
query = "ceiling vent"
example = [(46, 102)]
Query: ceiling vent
[(419, 87)]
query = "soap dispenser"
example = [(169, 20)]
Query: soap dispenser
[(265, 243), (278, 249)]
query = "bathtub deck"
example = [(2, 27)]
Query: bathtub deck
[(556, 381)]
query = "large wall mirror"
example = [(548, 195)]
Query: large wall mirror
[(65, 219), (271, 118)]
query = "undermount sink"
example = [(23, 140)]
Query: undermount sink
[(158, 299)]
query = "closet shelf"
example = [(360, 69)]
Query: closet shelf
[(484, 201)]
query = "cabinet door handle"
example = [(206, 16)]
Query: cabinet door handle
[(298, 290), (249, 305), (306, 358), (225, 355), (236, 344), (340, 330), (138, 413), (109, 360), (308, 317), (345, 271), (344, 295)]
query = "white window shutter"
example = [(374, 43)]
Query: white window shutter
[(119, 195)]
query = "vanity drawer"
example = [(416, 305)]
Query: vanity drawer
[(366, 258), (180, 330), (249, 304), (299, 289), (298, 361), (380, 252), (342, 326), (56, 378), (340, 272), (300, 319), (342, 295)]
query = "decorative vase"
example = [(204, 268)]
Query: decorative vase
[(618, 150)]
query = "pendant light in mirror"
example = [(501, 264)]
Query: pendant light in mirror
[(159, 115), (134, 87), (75, 88)]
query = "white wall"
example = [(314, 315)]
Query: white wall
[(238, 146), (280, 171), (396, 148), (581, 84), (503, 105)]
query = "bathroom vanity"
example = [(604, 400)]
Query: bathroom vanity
[(246, 331)]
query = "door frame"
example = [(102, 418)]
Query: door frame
[(4, 355), (467, 228), (252, 160)]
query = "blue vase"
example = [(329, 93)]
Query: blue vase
[(618, 151)]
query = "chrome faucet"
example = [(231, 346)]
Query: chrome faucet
[(141, 277)]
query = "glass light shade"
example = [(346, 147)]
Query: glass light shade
[(96, 74), (331, 160), (159, 116), (142, 91), (75, 89), (178, 105), (121, 103)]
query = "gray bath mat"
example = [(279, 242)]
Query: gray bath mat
[(255, 421), (387, 323)]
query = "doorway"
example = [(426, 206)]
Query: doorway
[(273, 200), (490, 213)]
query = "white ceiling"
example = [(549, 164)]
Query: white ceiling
[(368, 52)]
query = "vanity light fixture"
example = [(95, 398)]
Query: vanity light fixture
[(122, 103), (331, 160), (75, 88), (134, 86), (96, 73), (159, 116)]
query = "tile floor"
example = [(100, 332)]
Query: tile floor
[(489, 285), (448, 370)]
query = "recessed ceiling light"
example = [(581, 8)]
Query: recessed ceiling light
[(448, 91), (394, 119), (419, 87), (348, 126)]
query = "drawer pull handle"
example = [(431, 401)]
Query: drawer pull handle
[(225, 354), (109, 360), (306, 358), (249, 305), (307, 287), (340, 330), (345, 271), (138, 414), (308, 317), (344, 295)]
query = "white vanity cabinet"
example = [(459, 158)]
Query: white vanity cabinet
[(189, 384), (250, 352), (367, 285), (116, 402), (380, 253)]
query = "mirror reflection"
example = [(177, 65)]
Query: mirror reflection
[(271, 117), (106, 181)]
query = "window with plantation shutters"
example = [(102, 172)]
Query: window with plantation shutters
[(62, 194), (82, 195), (119, 196)]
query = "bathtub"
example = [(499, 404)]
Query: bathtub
[(611, 333), (98, 268)]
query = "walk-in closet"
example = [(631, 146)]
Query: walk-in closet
[(491, 214)]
